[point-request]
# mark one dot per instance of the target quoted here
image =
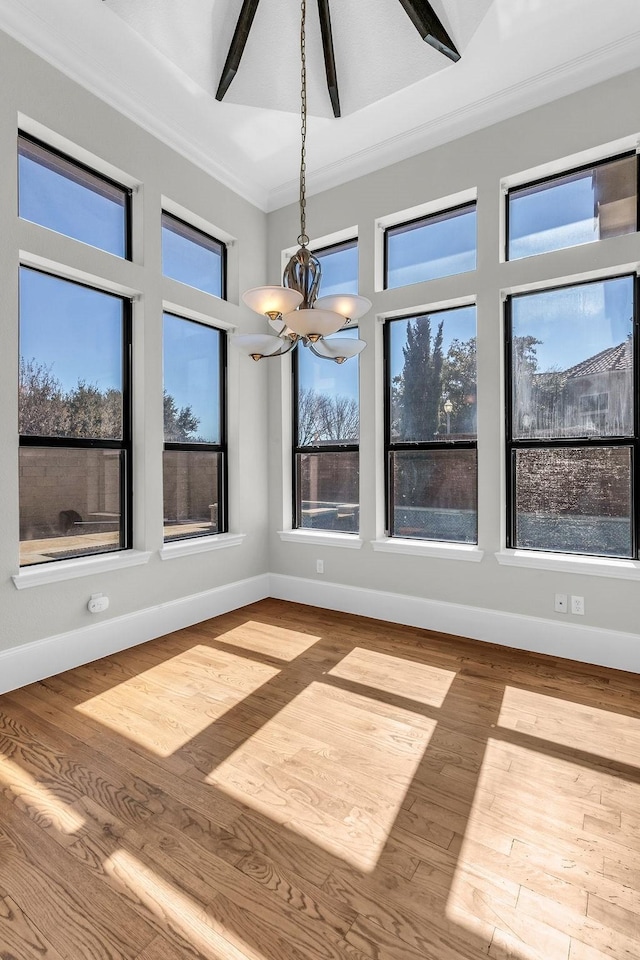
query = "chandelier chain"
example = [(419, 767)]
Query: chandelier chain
[(303, 239)]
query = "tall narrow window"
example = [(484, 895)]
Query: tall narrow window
[(75, 419), (573, 441), (194, 472), (584, 205), (192, 256), (439, 245), (327, 417), (64, 195), (430, 377)]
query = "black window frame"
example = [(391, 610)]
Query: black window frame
[(124, 445), (394, 446), (299, 449), (189, 229), (590, 442), (92, 176), (550, 179), (199, 447), (405, 226)]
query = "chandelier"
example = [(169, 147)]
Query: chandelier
[(294, 310)]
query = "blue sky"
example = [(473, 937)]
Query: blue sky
[(339, 275), (191, 371), (440, 248), (66, 206), (575, 323), (77, 331), (191, 262), (71, 329)]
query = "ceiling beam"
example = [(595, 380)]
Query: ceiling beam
[(329, 56), (430, 28), (236, 48)]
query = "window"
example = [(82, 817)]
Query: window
[(584, 205), (64, 195), (327, 417), (194, 463), (439, 245), (193, 257), (572, 430), (430, 426), (75, 419)]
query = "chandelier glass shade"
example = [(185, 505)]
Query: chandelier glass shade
[(294, 310)]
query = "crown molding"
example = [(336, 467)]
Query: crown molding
[(596, 66), (54, 45), (46, 36)]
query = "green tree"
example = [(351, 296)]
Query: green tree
[(180, 423), (94, 413), (417, 392), (459, 385), (41, 401)]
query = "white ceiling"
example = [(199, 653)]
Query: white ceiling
[(159, 62)]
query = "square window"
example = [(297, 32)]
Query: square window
[(439, 245), (191, 256)]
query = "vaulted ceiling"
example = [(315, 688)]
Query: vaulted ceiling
[(160, 61)]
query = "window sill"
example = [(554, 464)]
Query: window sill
[(566, 563), (429, 548), (322, 538), (79, 567), (183, 548)]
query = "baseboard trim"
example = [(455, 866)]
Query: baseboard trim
[(44, 658), (607, 648)]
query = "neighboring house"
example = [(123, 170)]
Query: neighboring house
[(597, 392)]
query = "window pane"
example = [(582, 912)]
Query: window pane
[(328, 406), (432, 366), (192, 504), (191, 381), (581, 207), (434, 495), (190, 256), (574, 500), (328, 491), (339, 269), (60, 195), (572, 361), (71, 359), (70, 502), (437, 246)]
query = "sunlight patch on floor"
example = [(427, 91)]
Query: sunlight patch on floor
[(332, 766), (270, 640), (409, 679), (527, 843), (175, 909), (602, 733), (30, 794), (166, 706)]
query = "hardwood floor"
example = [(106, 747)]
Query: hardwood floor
[(287, 783)]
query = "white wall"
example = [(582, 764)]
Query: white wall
[(33, 89), (156, 594), (596, 116)]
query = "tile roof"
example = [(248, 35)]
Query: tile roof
[(613, 358)]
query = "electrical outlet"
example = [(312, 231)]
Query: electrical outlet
[(560, 605), (319, 566), (98, 603), (577, 606)]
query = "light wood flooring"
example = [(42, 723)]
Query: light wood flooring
[(286, 783)]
